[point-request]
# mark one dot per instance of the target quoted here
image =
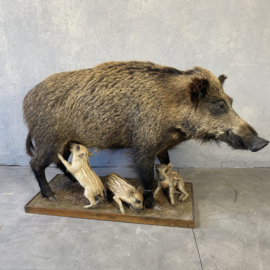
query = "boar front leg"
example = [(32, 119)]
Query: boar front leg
[(145, 167), (163, 157)]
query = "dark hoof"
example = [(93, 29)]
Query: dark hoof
[(149, 202), (53, 198)]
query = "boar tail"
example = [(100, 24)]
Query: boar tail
[(29, 146)]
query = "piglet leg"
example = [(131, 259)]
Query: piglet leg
[(88, 194), (172, 191), (66, 164), (120, 204), (184, 195), (157, 191)]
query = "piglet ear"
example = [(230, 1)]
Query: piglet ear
[(198, 89), (90, 154), (222, 78)]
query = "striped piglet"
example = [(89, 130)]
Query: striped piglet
[(85, 175), (123, 191)]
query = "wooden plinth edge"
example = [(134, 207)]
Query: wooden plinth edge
[(87, 214)]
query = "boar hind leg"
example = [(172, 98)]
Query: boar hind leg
[(38, 166), (163, 157)]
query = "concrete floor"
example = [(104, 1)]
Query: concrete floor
[(232, 228)]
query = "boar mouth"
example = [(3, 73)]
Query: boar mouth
[(253, 143)]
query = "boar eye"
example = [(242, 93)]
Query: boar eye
[(218, 107)]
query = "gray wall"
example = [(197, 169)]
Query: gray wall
[(38, 38)]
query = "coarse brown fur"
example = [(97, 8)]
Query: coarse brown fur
[(168, 178), (123, 191), (139, 105)]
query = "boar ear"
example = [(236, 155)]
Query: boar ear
[(140, 189), (82, 155), (222, 78), (198, 89)]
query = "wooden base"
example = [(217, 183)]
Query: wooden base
[(71, 201)]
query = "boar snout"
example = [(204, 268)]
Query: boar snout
[(256, 143), (246, 140)]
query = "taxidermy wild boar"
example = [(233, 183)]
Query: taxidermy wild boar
[(138, 105)]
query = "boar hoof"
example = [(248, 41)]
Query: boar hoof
[(53, 198), (149, 202)]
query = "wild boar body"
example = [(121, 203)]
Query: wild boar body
[(139, 105), (113, 105)]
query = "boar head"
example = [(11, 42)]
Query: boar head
[(211, 116)]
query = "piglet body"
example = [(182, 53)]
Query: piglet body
[(123, 191), (85, 175)]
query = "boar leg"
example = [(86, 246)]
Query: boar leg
[(163, 157), (145, 166), (39, 171)]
